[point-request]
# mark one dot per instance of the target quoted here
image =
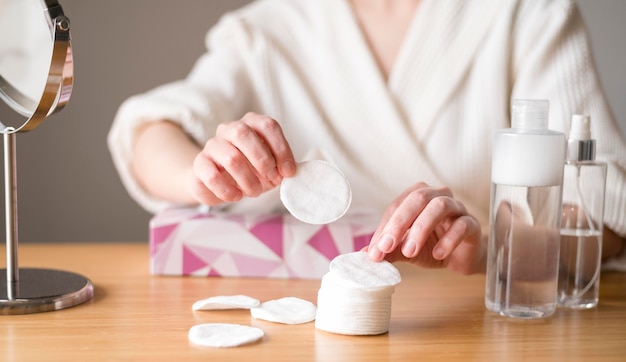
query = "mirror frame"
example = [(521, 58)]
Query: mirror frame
[(60, 80)]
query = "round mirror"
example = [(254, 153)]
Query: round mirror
[(36, 72)]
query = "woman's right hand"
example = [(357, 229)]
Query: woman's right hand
[(245, 158)]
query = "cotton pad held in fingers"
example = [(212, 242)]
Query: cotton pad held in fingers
[(288, 310), (223, 335), (226, 302), (318, 193)]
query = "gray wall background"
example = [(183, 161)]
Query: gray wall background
[(68, 187)]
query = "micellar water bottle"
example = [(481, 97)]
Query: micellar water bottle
[(525, 214)]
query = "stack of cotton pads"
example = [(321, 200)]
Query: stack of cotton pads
[(318, 193), (355, 295)]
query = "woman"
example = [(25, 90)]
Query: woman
[(400, 95)]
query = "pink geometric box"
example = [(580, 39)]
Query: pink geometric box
[(199, 243)]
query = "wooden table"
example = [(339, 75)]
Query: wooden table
[(437, 315)]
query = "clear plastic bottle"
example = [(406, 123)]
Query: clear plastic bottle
[(584, 183), (525, 215)]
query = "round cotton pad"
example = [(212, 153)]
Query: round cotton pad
[(363, 272), (317, 194), (223, 335), (288, 310), (226, 302)]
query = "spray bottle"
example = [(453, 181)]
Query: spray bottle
[(584, 183)]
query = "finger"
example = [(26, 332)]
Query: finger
[(205, 196), (373, 249), (401, 219), (202, 194), (211, 181), (381, 224), (252, 146), (273, 137), (502, 220), (435, 212), (462, 228), (230, 159)]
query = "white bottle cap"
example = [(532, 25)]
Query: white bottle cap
[(528, 154), (530, 114)]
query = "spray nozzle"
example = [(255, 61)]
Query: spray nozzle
[(580, 146), (581, 128)]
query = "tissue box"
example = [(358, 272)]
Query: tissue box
[(199, 243)]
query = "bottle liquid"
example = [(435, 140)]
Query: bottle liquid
[(584, 183), (525, 214)]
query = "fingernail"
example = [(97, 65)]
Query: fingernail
[(229, 194), (385, 244), (438, 253), (409, 248), (375, 254)]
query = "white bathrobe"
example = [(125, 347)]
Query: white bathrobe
[(306, 64)]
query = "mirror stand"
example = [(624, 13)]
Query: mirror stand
[(32, 290)]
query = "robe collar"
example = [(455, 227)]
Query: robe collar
[(436, 54)]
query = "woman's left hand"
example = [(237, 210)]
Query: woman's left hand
[(428, 227)]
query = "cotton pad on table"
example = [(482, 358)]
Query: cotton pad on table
[(318, 193), (288, 310), (223, 335), (226, 302)]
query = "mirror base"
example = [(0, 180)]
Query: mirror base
[(42, 290)]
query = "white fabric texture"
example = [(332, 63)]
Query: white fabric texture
[(307, 64)]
